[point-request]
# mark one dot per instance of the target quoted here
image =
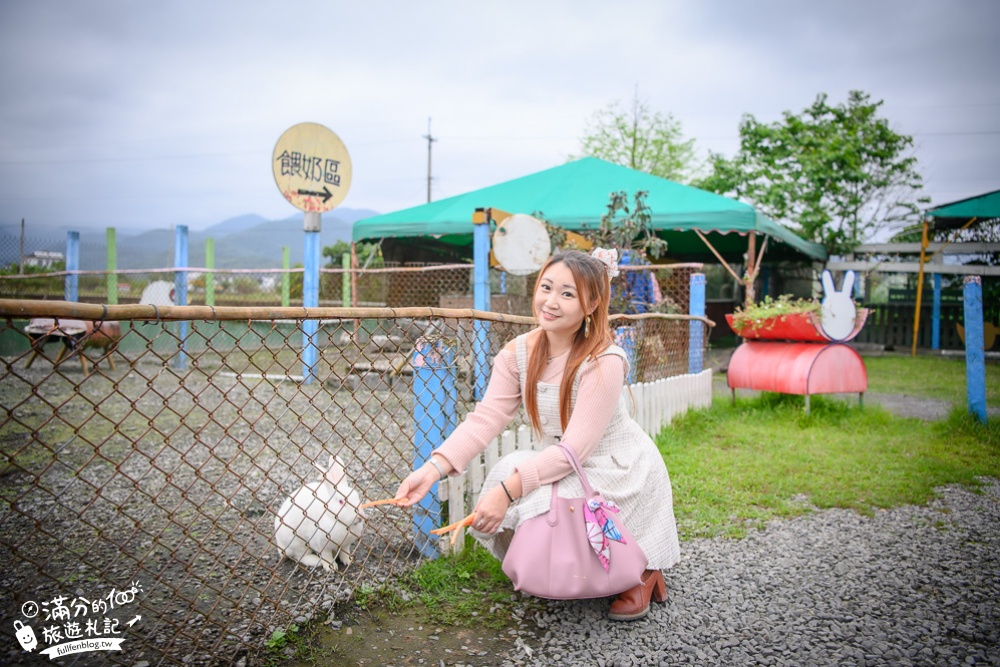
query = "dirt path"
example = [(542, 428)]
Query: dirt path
[(902, 405), (406, 637)]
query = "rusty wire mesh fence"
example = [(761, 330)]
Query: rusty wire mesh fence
[(146, 482), (639, 289), (415, 284)]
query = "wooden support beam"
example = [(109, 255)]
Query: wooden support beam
[(914, 267), (715, 252)]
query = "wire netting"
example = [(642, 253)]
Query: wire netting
[(147, 453), (639, 289)]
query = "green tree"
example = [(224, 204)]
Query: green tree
[(836, 174), (624, 227), (629, 228), (640, 139), (369, 254), (981, 231)]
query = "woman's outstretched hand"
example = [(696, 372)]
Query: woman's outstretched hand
[(416, 485)]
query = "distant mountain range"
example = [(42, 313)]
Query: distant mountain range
[(244, 242)]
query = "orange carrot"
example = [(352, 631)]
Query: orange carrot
[(467, 521), (385, 501)]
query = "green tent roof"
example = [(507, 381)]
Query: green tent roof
[(984, 207), (575, 196)]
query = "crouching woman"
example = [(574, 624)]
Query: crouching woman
[(568, 374)]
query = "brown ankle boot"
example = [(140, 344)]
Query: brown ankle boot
[(633, 604)]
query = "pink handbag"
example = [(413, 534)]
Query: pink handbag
[(579, 549)]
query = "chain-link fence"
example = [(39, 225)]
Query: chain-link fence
[(138, 499), (639, 289), (243, 287)]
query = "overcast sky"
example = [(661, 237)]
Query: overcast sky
[(150, 114)]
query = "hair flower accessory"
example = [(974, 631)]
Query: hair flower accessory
[(609, 256)]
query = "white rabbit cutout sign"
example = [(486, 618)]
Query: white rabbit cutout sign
[(319, 523), (839, 314)]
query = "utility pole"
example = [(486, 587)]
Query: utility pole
[(430, 140)]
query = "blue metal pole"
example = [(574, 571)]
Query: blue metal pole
[(975, 354), (625, 336), (936, 314), (180, 289), (481, 301), (310, 299), (696, 329), (434, 417), (625, 339), (71, 287)]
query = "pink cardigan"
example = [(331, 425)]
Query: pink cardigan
[(600, 386)]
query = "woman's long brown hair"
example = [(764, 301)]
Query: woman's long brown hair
[(592, 287)]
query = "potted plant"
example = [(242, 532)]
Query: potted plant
[(801, 319), (783, 318)]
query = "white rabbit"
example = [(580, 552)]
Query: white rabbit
[(839, 311), (320, 523)]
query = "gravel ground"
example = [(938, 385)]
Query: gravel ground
[(908, 586), (182, 502)]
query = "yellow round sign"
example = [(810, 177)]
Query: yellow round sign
[(311, 167)]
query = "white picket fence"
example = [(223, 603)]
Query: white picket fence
[(652, 404)]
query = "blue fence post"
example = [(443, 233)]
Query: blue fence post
[(625, 339), (310, 295), (696, 328), (936, 314), (71, 289), (434, 417), (481, 300), (975, 355), (180, 289)]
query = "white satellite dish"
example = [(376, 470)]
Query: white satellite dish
[(521, 244), (158, 293)]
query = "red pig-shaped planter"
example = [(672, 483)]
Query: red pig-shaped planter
[(804, 354)]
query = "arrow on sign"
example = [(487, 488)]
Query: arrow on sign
[(326, 194)]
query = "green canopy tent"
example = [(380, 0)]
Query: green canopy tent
[(956, 215), (575, 196)]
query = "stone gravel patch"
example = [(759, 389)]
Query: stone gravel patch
[(907, 586)]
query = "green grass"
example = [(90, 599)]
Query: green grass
[(293, 637), (735, 467), (933, 377), (467, 588), (464, 589)]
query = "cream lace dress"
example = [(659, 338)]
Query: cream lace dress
[(625, 467)]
